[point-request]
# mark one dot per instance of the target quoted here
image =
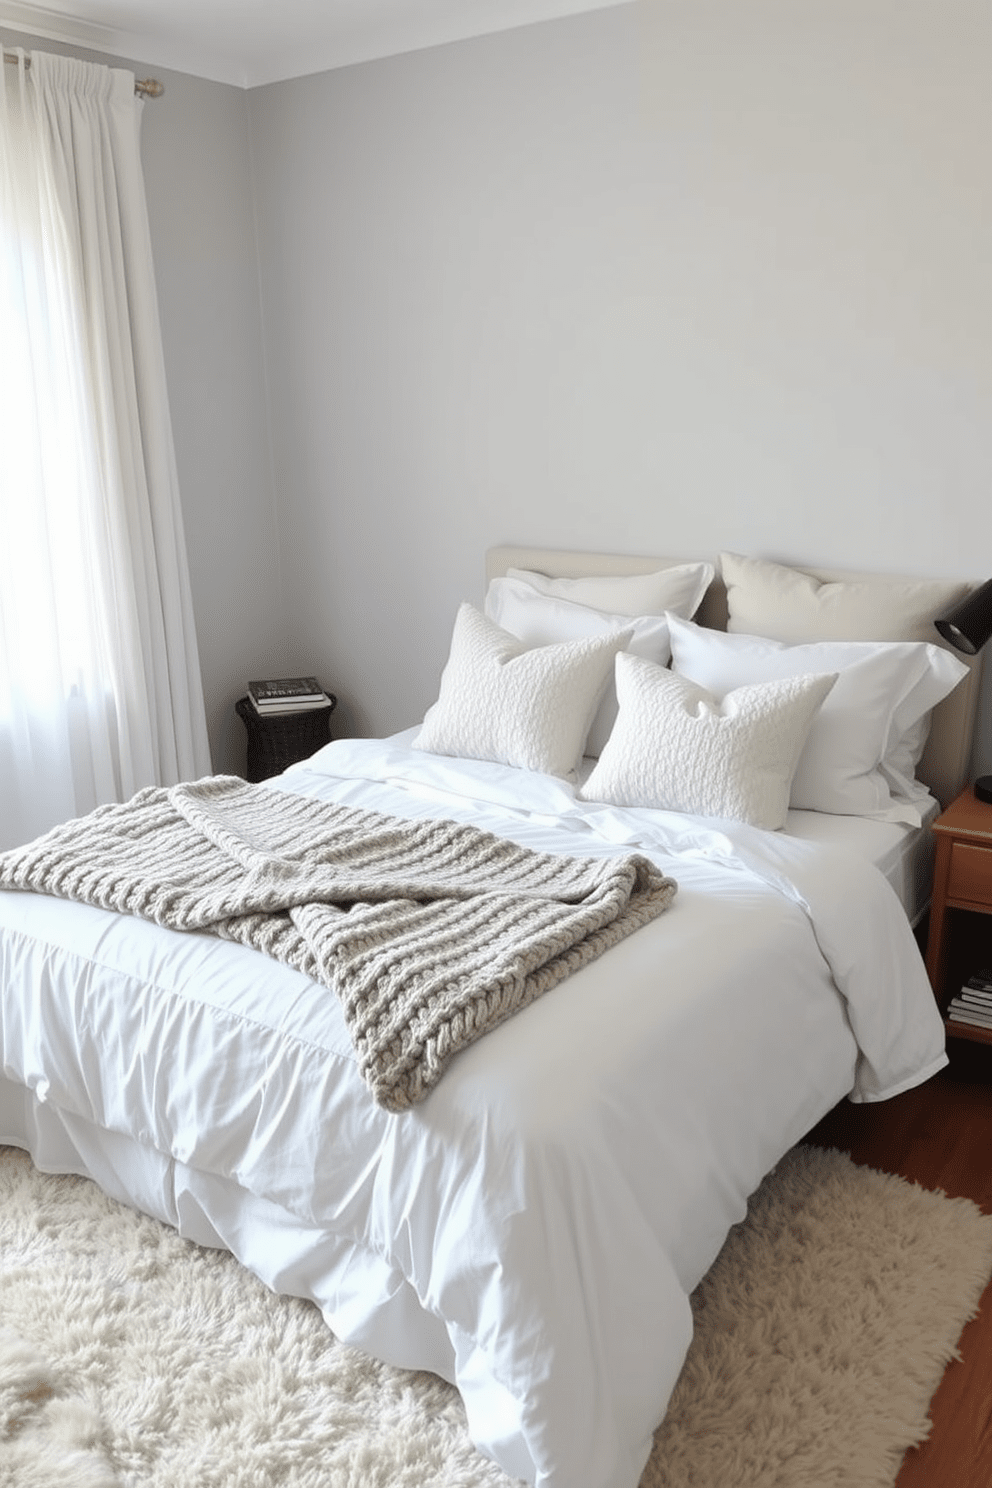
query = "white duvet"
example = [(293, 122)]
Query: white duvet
[(533, 1229)]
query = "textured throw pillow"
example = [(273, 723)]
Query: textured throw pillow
[(678, 748), (785, 604), (500, 700), (882, 691), (544, 620), (679, 589)]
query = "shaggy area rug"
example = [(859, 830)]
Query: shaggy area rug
[(130, 1357)]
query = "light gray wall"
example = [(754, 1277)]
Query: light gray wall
[(671, 277), (195, 152)]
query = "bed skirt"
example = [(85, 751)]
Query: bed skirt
[(363, 1300)]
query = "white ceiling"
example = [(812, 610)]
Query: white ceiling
[(250, 42)]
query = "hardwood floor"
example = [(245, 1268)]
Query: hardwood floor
[(940, 1136)]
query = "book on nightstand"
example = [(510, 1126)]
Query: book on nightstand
[(974, 1002), (287, 695), (958, 1012)]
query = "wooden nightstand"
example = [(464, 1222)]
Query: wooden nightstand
[(960, 935)]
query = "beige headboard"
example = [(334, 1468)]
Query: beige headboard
[(945, 766)]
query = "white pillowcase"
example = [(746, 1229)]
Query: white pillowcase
[(785, 604), (861, 742), (679, 589), (676, 747), (503, 701), (543, 620)]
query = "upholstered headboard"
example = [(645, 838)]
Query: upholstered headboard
[(945, 765)]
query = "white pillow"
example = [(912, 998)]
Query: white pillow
[(911, 726), (543, 620), (679, 589), (860, 741), (530, 707), (785, 604), (678, 748)]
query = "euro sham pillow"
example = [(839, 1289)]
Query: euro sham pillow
[(677, 747), (679, 588), (850, 763), (503, 701), (542, 620), (786, 604)]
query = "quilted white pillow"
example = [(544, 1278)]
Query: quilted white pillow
[(503, 701), (883, 690), (678, 748), (544, 620), (679, 589)]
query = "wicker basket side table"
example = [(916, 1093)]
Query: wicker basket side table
[(282, 738)]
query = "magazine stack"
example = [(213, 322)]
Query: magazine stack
[(287, 695)]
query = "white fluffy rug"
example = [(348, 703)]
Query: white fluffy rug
[(129, 1357)]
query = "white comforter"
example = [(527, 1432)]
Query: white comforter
[(533, 1229)]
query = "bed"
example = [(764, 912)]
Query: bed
[(532, 1228)]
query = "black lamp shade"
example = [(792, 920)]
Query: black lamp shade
[(969, 625)]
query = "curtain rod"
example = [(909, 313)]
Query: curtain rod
[(147, 87)]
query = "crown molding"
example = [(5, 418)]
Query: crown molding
[(328, 35), (144, 49)]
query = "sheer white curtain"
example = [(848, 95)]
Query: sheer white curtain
[(99, 679)]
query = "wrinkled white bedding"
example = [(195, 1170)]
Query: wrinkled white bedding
[(533, 1229)]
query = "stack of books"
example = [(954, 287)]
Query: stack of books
[(287, 695), (974, 1005)]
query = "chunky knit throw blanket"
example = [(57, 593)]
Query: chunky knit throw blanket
[(430, 932)]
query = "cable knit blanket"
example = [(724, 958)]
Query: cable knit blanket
[(430, 932)]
